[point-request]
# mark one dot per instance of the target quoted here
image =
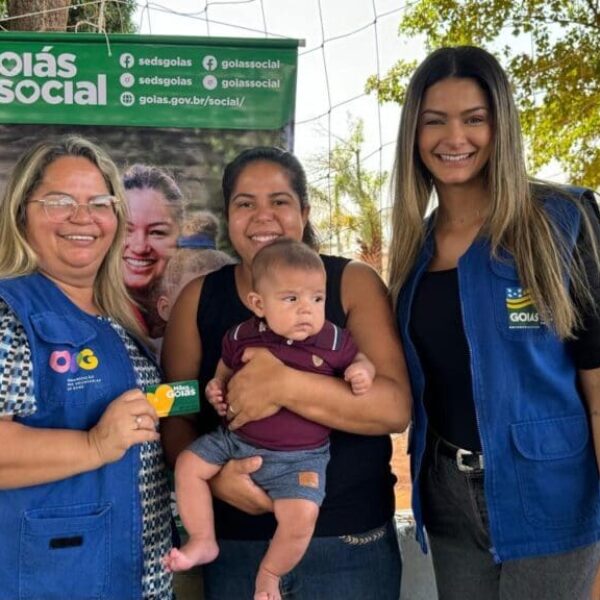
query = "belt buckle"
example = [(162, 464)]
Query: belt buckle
[(460, 454)]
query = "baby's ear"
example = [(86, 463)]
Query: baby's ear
[(256, 304), (163, 307)]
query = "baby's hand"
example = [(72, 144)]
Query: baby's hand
[(214, 394), (360, 374)]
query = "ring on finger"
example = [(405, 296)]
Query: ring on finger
[(138, 422), (231, 409)]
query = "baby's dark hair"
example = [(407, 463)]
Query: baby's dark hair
[(284, 253)]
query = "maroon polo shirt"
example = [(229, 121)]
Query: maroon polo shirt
[(328, 352)]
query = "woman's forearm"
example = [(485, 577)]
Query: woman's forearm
[(32, 456), (590, 385), (385, 408), (330, 401)]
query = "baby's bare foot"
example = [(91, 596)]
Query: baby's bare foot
[(195, 552), (267, 586)]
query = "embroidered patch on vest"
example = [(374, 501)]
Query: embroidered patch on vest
[(317, 360), (62, 361), (521, 311), (308, 479), (76, 369)]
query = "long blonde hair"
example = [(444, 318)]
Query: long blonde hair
[(517, 221), (17, 256)]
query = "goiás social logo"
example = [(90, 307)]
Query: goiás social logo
[(521, 311), (29, 77), (64, 361)]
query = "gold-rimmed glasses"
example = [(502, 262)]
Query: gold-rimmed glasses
[(62, 207)]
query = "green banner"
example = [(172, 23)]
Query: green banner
[(155, 81)]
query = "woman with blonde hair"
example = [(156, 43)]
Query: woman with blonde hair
[(155, 217), (495, 293), (84, 506)]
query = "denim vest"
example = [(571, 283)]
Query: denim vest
[(81, 537), (541, 477)]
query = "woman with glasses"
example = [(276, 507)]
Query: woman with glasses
[(83, 496)]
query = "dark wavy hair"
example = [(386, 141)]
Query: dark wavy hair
[(288, 162)]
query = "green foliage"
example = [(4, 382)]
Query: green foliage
[(393, 85), (347, 197), (556, 80)]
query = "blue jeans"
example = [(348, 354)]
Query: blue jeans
[(456, 520), (354, 567)]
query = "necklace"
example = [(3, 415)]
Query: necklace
[(463, 220)]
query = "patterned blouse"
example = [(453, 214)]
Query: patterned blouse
[(17, 399)]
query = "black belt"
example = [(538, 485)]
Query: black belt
[(466, 461)]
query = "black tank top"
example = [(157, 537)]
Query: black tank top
[(360, 485)]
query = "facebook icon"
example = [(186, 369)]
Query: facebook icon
[(126, 60), (209, 62)]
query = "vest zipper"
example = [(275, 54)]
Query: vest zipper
[(492, 548)]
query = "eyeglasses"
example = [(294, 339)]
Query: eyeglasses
[(61, 207)]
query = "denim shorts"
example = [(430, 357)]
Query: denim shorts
[(361, 566), (298, 474)]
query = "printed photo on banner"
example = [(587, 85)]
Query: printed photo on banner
[(171, 112)]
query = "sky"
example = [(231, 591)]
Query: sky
[(345, 41)]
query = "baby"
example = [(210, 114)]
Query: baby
[(195, 256), (288, 300), (186, 264)]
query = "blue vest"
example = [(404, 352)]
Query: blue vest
[(79, 538), (541, 478)]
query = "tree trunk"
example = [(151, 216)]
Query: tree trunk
[(48, 15)]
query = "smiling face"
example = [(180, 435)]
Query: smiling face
[(292, 301), (70, 252), (455, 132), (263, 207), (151, 238)]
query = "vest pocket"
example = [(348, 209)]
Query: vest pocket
[(73, 370), (65, 553), (557, 472)]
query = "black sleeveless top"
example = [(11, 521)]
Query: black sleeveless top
[(360, 485)]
